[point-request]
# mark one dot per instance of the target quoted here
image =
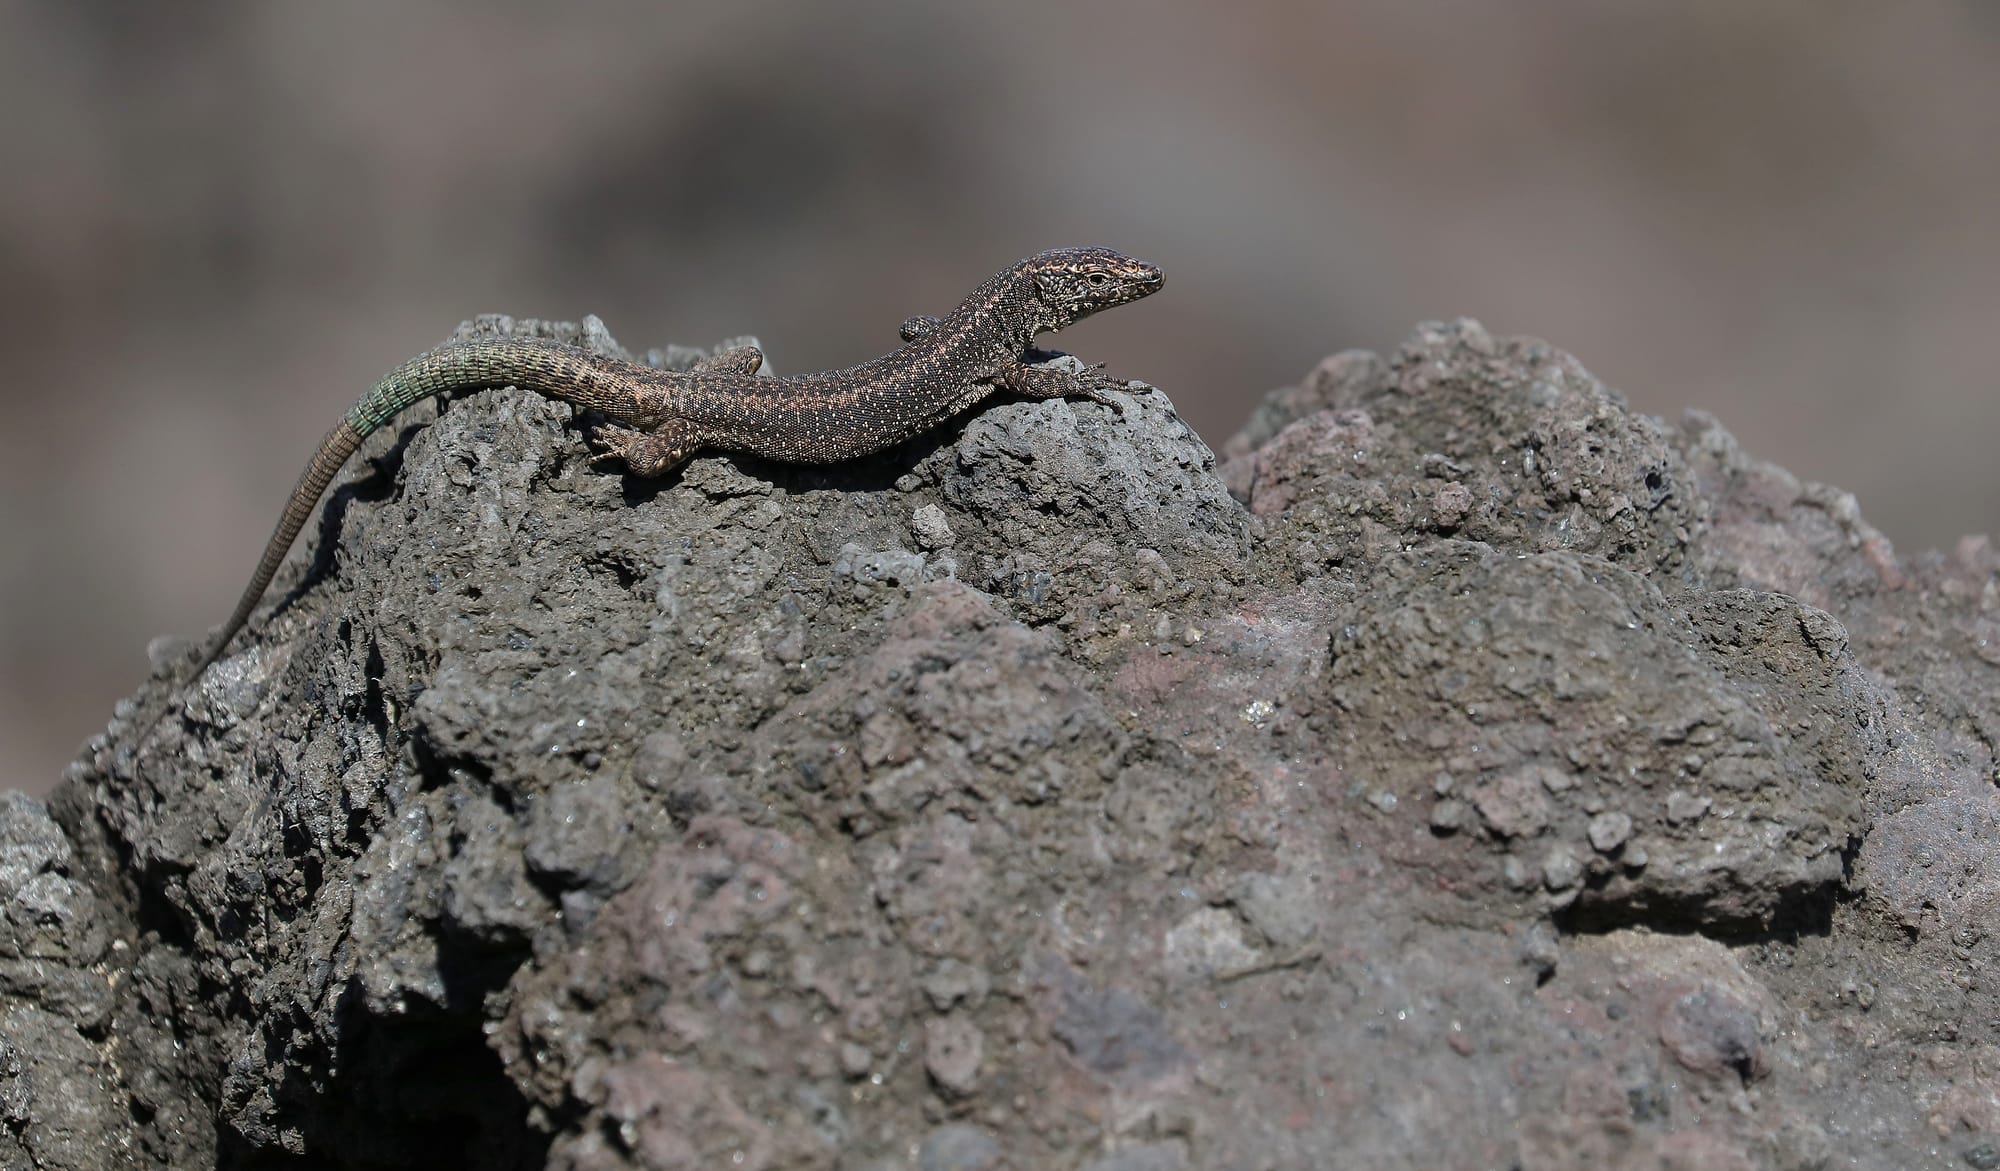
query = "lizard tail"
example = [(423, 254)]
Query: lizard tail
[(549, 367), (326, 463)]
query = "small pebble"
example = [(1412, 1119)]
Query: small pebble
[(855, 1060), (1561, 870), (1608, 831), (1449, 815)]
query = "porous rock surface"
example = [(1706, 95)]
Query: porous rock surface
[(1465, 772)]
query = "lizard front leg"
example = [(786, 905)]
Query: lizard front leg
[(1047, 382)]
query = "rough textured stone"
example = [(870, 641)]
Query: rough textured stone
[(1467, 772)]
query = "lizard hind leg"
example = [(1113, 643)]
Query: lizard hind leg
[(739, 360), (645, 453)]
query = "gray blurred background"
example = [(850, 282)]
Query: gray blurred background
[(220, 220)]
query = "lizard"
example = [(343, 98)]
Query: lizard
[(659, 419)]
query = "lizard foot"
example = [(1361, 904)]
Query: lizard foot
[(644, 454), (1092, 384), (1049, 382)]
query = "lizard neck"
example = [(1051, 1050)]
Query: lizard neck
[(1006, 312)]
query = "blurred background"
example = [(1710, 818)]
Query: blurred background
[(220, 220)]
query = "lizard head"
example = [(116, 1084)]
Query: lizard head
[(1073, 283)]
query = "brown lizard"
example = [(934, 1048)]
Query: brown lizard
[(661, 418)]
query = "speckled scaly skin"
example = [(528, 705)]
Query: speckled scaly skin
[(661, 418)]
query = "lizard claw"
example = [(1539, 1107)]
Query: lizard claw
[(1093, 385), (1097, 396), (612, 441)]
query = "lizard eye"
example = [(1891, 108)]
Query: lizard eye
[(1098, 280)]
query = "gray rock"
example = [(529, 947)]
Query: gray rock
[(1468, 772), (959, 1148), (1149, 1157)]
